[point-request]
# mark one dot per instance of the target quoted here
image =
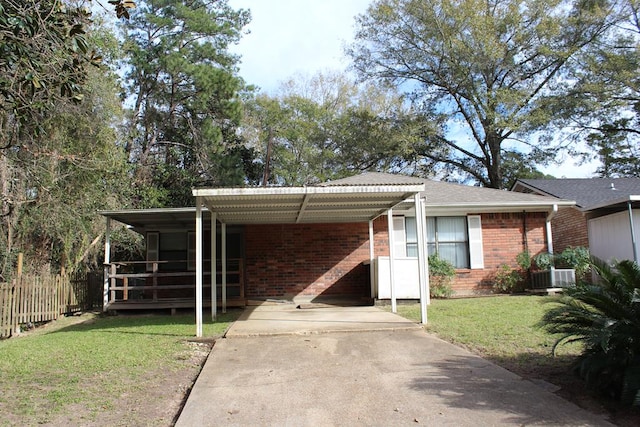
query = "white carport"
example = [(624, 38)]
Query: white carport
[(292, 205)]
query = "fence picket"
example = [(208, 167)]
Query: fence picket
[(42, 298)]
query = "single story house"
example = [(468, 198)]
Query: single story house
[(325, 241), (605, 218)]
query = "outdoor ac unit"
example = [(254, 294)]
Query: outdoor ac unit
[(563, 278)]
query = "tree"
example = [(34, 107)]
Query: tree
[(603, 107), (44, 56), (327, 127), (52, 188), (184, 89), (481, 69), (605, 317)]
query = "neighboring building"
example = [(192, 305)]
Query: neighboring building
[(601, 218), (328, 240)]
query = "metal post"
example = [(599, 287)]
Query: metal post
[(422, 261), (371, 260), (107, 261), (224, 266), (392, 284), (214, 266), (199, 267)]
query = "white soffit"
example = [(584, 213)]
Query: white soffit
[(287, 205)]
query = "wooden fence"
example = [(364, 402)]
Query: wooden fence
[(33, 299)]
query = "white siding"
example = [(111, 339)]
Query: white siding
[(610, 236), (406, 278)]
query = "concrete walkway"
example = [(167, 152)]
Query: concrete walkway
[(392, 376)]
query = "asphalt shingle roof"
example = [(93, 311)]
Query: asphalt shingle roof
[(587, 192), (440, 193)]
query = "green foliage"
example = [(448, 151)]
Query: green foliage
[(481, 69), (441, 275), (184, 89), (524, 260), (327, 127), (577, 258), (605, 318), (507, 279), (543, 261), (45, 56)]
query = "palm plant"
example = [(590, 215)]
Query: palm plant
[(605, 318)]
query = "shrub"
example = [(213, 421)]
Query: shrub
[(441, 274), (572, 257), (507, 279), (605, 317)]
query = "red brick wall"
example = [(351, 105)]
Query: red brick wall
[(326, 259), (502, 240), (569, 228), (306, 260)]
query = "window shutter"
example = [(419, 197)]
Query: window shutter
[(476, 255), (153, 248), (399, 237)]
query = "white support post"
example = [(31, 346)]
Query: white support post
[(107, 261), (392, 282), (199, 267), (371, 260), (214, 266), (224, 266), (422, 259)]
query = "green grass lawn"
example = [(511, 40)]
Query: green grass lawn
[(90, 366), (500, 328)]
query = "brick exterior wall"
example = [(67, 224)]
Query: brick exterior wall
[(569, 228), (327, 259), (306, 260), (502, 241)]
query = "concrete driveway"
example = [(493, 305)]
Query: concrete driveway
[(389, 375)]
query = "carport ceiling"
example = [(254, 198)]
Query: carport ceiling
[(288, 205)]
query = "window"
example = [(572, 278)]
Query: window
[(448, 237), (457, 239)]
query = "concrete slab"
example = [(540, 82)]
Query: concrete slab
[(286, 318), (366, 378)]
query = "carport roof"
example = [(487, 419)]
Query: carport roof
[(316, 204), (277, 205)]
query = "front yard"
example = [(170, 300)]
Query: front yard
[(94, 370)]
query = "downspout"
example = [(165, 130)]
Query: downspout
[(551, 215), (633, 233)]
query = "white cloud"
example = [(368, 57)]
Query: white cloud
[(292, 36)]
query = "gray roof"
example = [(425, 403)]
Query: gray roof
[(588, 193), (449, 195), (373, 178)]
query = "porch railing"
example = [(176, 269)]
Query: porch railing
[(126, 282)]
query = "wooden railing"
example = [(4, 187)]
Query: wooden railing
[(155, 284)]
